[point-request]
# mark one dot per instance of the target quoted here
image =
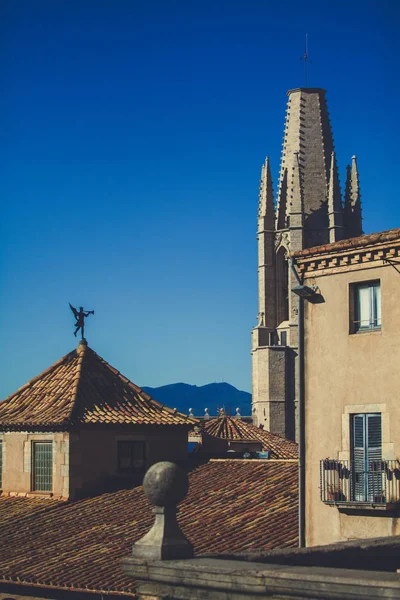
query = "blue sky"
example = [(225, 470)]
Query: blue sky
[(132, 139)]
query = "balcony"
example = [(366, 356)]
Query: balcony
[(344, 485)]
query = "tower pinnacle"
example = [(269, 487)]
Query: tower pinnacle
[(266, 211), (352, 202), (335, 208)]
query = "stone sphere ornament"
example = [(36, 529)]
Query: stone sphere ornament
[(165, 484)]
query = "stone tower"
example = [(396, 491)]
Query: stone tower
[(308, 212)]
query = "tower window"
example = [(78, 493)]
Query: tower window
[(131, 456), (365, 312), (42, 466)]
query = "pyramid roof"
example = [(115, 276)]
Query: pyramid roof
[(84, 389), (234, 429)]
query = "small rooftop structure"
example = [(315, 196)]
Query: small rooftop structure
[(81, 428), (233, 429)]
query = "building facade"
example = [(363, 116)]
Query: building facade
[(352, 409), (309, 211)]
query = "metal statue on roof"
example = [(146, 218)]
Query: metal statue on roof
[(80, 316)]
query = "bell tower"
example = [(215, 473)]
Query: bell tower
[(308, 212)]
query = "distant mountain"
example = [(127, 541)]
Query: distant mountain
[(183, 396)]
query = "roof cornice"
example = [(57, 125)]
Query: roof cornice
[(341, 259)]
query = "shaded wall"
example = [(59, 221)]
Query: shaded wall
[(94, 457), (86, 461)]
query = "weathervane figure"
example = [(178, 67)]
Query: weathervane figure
[(80, 316)]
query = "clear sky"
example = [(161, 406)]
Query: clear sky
[(133, 133)]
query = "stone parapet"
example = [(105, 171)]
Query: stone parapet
[(215, 579)]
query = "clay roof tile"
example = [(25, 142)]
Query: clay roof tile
[(83, 388), (234, 429), (350, 243), (232, 505)]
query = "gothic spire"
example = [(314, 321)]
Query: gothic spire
[(347, 202), (352, 203), (356, 198), (308, 141), (335, 209), (266, 210)]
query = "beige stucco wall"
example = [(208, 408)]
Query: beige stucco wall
[(17, 461), (348, 373), (93, 454), (86, 460)]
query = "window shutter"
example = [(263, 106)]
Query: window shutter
[(374, 455), (359, 457)]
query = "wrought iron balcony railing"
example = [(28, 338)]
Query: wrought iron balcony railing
[(343, 482)]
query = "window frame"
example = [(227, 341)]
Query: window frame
[(374, 309), (132, 468), (366, 481), (34, 476)]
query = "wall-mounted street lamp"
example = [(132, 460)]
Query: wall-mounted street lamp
[(304, 291), (311, 294)]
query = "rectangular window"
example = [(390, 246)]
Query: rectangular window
[(367, 306), (366, 457), (1, 464), (131, 456), (42, 466)]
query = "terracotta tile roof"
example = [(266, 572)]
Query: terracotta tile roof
[(351, 243), (232, 506), (83, 388), (233, 429)]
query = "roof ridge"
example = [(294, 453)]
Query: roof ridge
[(77, 378)]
